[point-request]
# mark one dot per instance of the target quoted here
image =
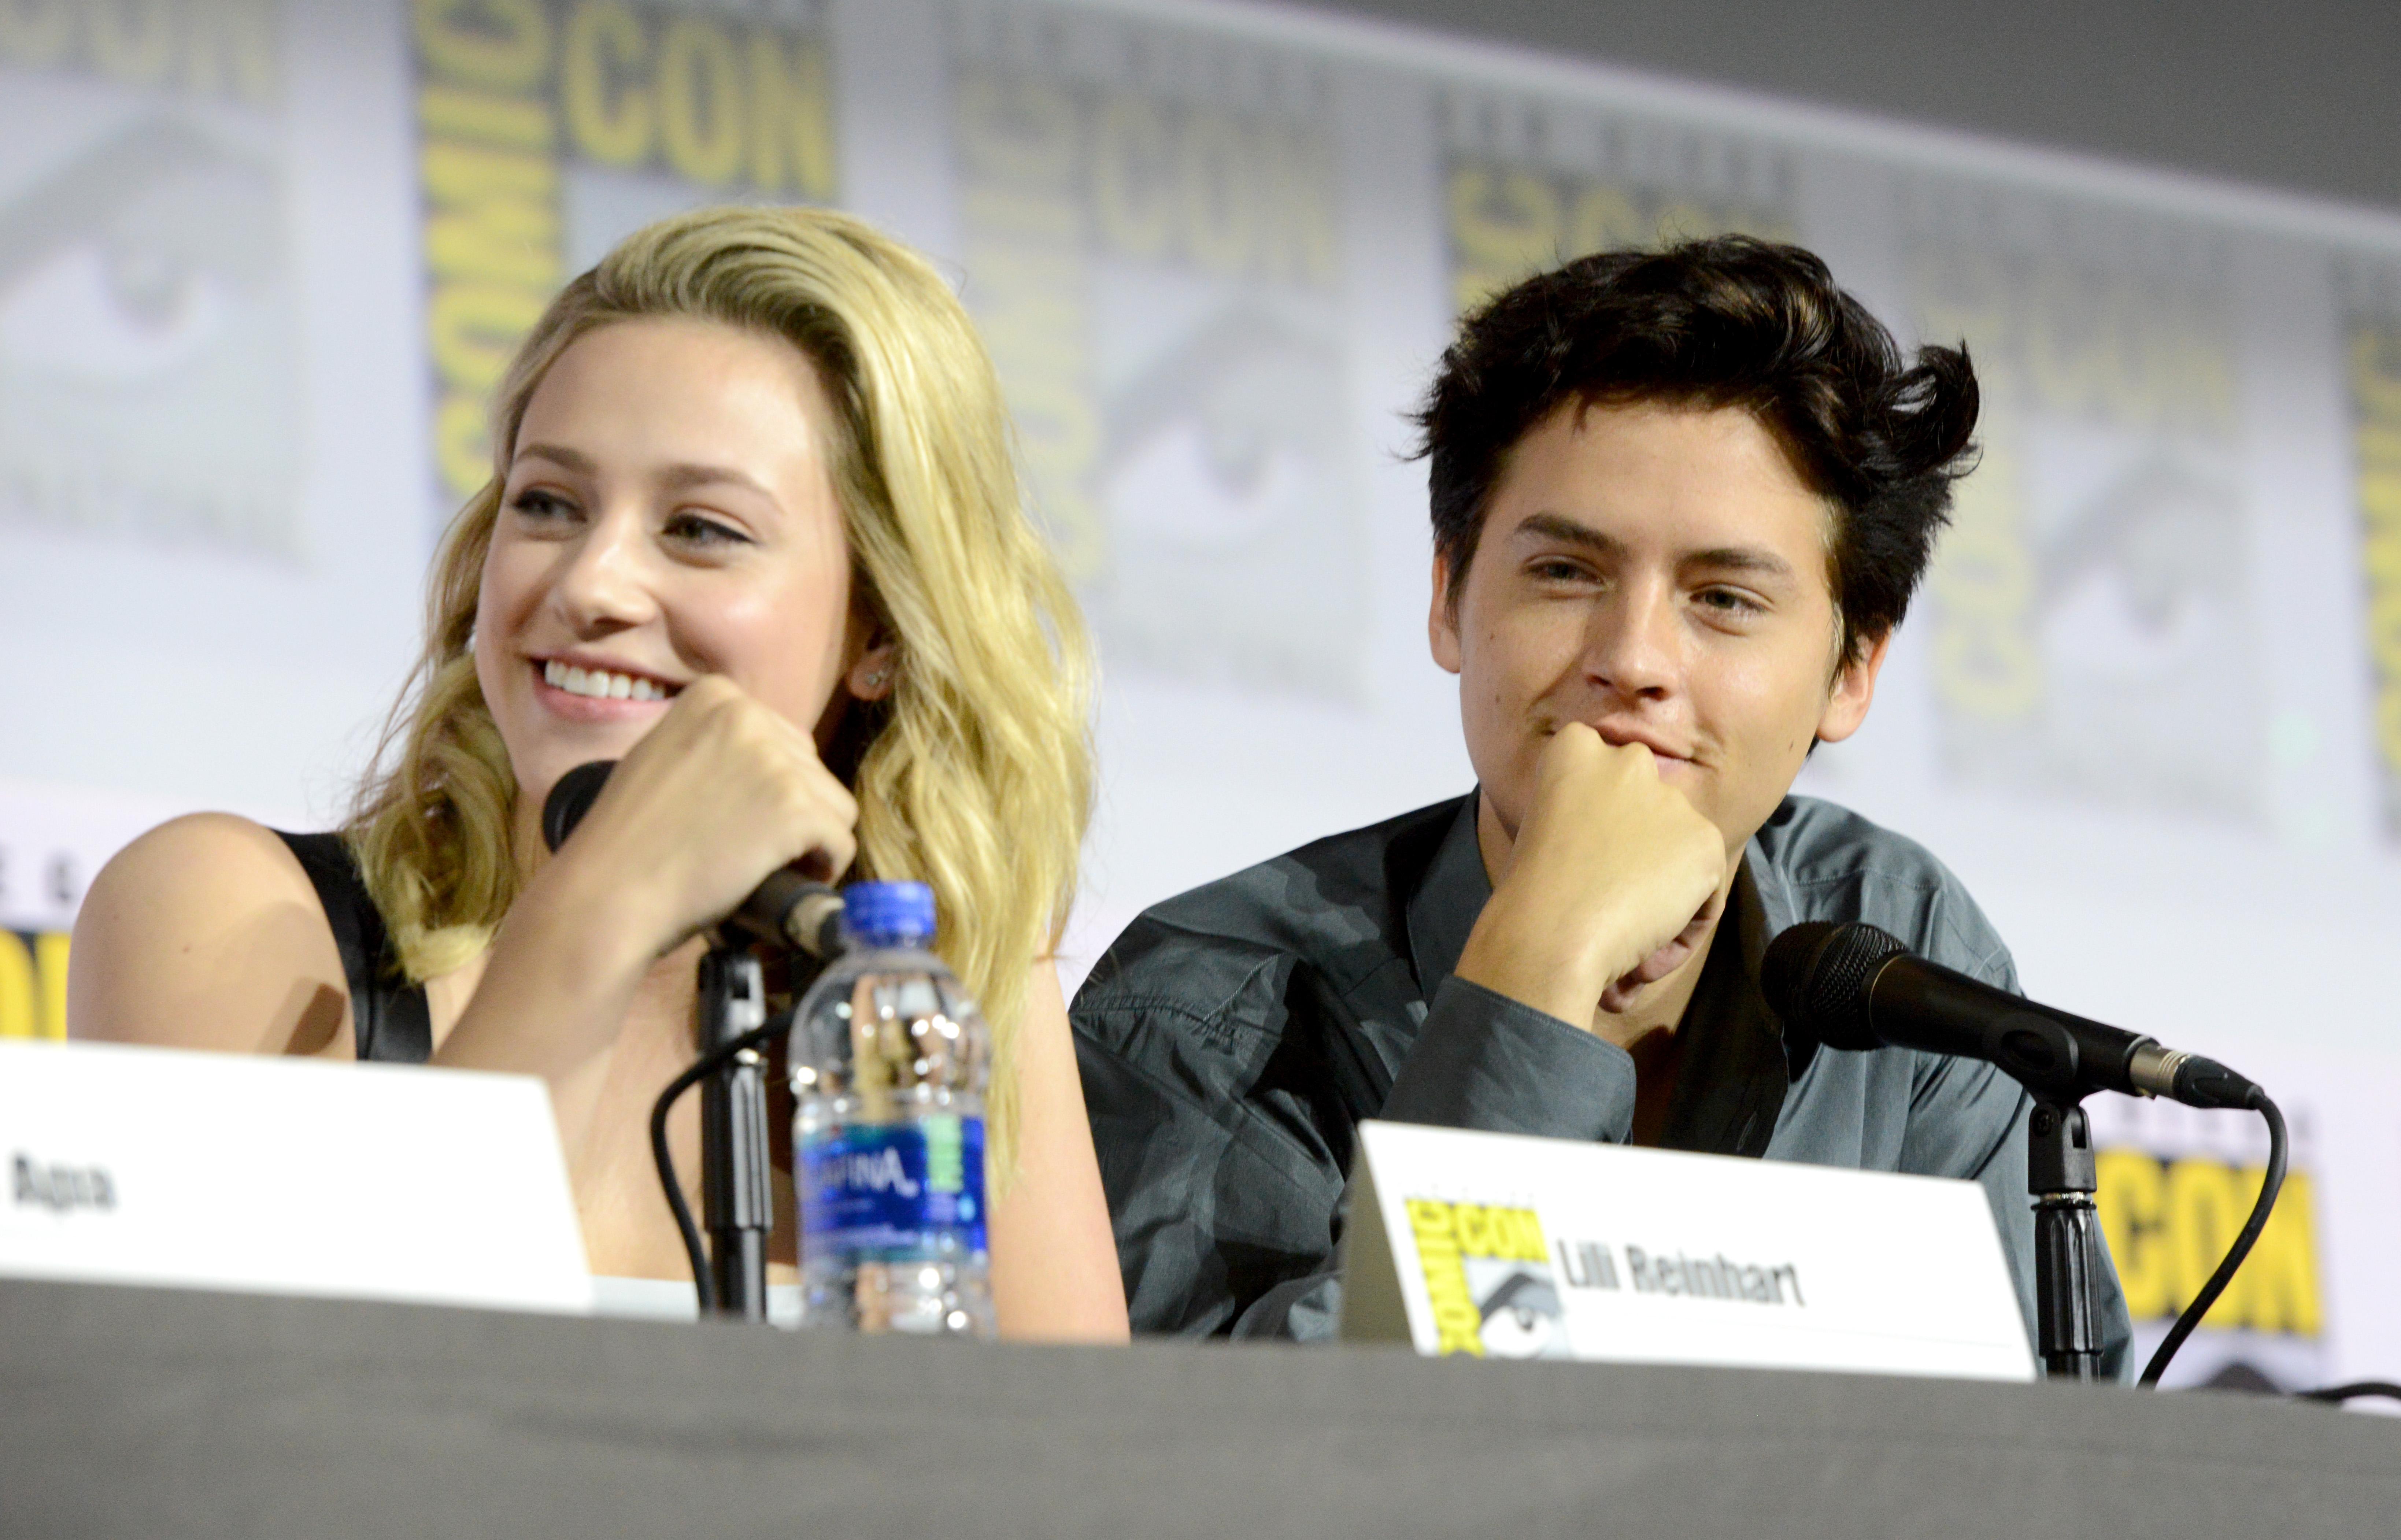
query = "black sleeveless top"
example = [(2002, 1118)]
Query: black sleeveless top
[(388, 1012)]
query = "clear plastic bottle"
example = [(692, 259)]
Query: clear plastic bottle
[(889, 1063)]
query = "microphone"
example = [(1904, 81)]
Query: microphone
[(1857, 987), (788, 908)]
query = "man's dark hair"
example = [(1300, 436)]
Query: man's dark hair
[(1726, 322)]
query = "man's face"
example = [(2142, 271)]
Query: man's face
[(1659, 573)]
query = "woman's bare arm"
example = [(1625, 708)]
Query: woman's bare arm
[(206, 933), (1054, 1259)]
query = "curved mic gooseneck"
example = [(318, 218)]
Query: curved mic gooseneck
[(1854, 987)]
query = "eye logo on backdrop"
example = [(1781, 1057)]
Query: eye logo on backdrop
[(148, 344), (550, 128), (1147, 223), (1528, 185), (2375, 358), (2092, 612)]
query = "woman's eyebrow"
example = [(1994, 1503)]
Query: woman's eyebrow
[(575, 461), (671, 479), (681, 478)]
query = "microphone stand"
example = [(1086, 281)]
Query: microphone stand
[(2066, 1228), (2061, 1178), (737, 1190)]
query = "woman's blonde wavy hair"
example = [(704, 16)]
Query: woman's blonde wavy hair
[(974, 775)]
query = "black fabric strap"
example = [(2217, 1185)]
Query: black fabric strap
[(388, 1012)]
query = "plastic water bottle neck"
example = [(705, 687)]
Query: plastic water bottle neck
[(889, 941)]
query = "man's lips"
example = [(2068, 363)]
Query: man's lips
[(1618, 738)]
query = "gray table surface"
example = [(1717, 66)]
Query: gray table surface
[(128, 1411)]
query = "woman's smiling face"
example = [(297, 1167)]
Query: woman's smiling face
[(669, 513)]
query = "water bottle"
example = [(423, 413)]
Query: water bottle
[(889, 1061)]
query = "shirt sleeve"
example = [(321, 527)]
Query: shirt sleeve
[(1218, 1197), (1485, 1060), (1226, 1180)]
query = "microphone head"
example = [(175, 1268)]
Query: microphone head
[(571, 799), (1816, 977)]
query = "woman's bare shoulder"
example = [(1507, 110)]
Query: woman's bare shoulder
[(206, 932), (237, 848), (197, 868)]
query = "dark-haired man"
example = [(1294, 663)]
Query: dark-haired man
[(1681, 501)]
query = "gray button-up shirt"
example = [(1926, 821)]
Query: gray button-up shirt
[(1233, 1036)]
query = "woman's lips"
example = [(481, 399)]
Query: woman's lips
[(572, 698)]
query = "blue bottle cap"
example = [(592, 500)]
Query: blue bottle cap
[(888, 914)]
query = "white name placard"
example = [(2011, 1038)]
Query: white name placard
[(151, 1165), (1508, 1246)]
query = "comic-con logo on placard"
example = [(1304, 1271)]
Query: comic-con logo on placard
[(148, 340), (550, 128), (1487, 1276)]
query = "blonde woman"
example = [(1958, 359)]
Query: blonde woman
[(754, 532)]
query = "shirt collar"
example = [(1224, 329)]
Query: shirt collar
[(1736, 1061), (1778, 908), (1449, 898), (1730, 1081)]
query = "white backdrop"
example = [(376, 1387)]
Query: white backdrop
[(259, 263)]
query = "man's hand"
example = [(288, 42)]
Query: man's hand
[(1614, 882)]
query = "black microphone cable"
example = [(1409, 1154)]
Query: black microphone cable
[(2271, 1182), (1822, 978), (704, 1280), (797, 916), (2357, 1389)]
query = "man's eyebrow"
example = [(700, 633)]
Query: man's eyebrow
[(1741, 559), (1723, 559), (1567, 531)]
